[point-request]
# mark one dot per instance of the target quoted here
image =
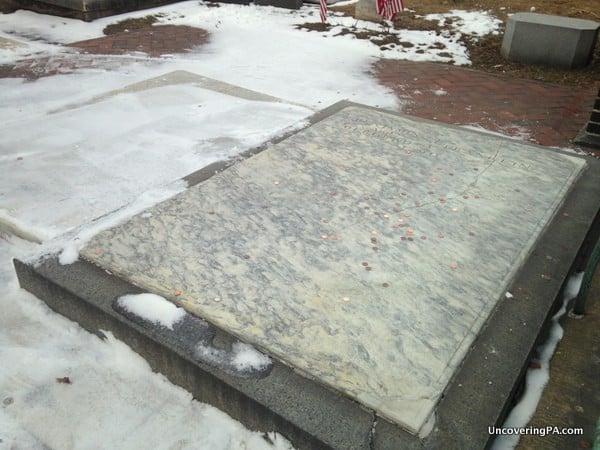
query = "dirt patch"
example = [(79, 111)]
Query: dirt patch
[(130, 24), (485, 52)]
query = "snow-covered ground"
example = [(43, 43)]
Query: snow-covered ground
[(79, 146)]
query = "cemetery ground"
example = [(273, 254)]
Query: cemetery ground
[(485, 52), (166, 120)]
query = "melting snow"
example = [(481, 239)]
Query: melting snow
[(153, 308)]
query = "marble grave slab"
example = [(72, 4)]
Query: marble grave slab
[(366, 251)]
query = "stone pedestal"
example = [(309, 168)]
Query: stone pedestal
[(549, 40), (288, 4), (366, 10)]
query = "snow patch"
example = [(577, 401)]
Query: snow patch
[(70, 243), (247, 357), (473, 23), (153, 308), (536, 379), (242, 357)]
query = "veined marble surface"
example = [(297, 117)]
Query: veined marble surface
[(366, 251)]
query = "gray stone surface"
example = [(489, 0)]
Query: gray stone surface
[(366, 10), (366, 252), (549, 40), (302, 409), (87, 10), (288, 4)]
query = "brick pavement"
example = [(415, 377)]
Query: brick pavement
[(155, 41), (111, 52), (548, 114)]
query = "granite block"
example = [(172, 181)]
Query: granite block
[(549, 40), (366, 252)]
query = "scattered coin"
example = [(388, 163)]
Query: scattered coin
[(246, 256), (410, 232), (385, 285), (375, 248), (410, 239), (453, 266), (334, 238), (98, 251), (176, 292), (345, 299), (454, 209), (434, 180), (386, 216), (324, 236), (402, 238), (365, 263), (368, 268), (441, 235), (374, 232), (423, 238), (407, 215), (471, 233), (442, 200), (276, 182)]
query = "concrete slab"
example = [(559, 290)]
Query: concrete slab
[(331, 298), (357, 251), (183, 119)]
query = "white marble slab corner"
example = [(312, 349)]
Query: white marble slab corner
[(366, 251)]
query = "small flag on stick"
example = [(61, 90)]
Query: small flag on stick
[(388, 8), (323, 10)]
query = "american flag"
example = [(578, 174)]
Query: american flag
[(323, 10), (388, 8)]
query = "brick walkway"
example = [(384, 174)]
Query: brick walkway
[(548, 114), (153, 42)]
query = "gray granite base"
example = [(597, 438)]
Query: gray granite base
[(364, 254), (556, 41), (87, 10)]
